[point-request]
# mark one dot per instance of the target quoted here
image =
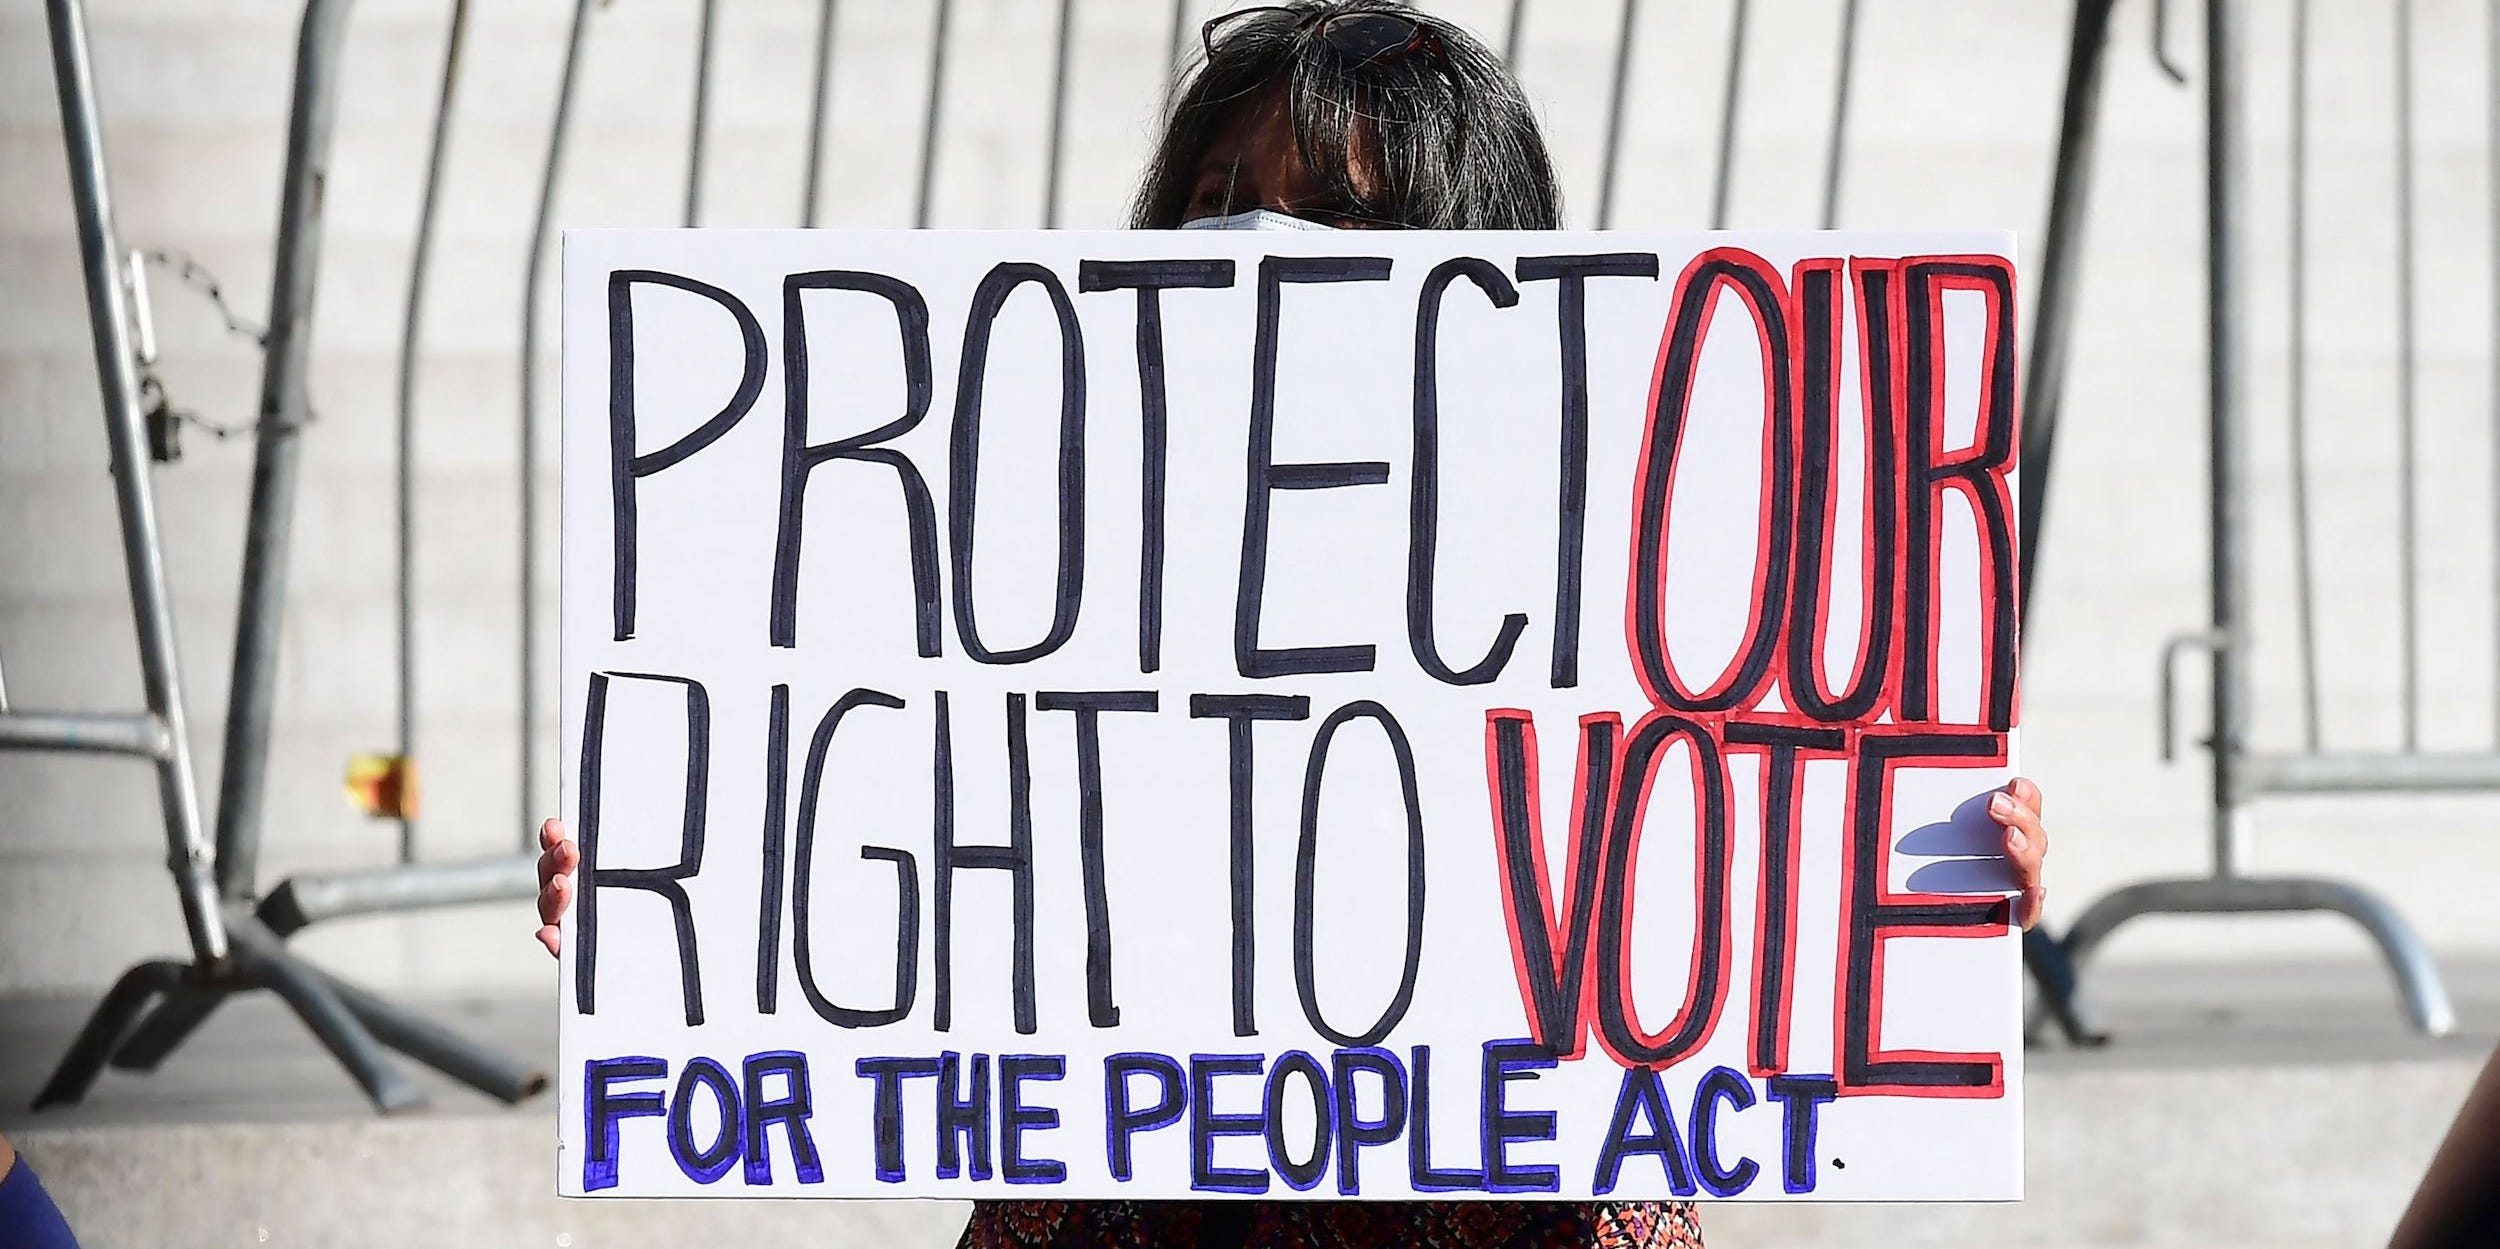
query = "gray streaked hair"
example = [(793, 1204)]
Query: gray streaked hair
[(1456, 143)]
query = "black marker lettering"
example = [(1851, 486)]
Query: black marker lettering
[(1353, 1130), (705, 1163), (1015, 858), (1266, 476), (802, 889), (1705, 992), (791, 1111), (887, 1108), (963, 1119), (1149, 278), (1550, 947), (1306, 877), (624, 466), (776, 828), (603, 1109), (1722, 1085), (1872, 914), (1817, 284), (1205, 1125), (1100, 1009), (1763, 292), (1421, 1175), (667, 882), (1423, 538), (1775, 940), (1507, 1063), (964, 460), (799, 458), (1980, 474), (1639, 1097), (1240, 711), (1299, 1174), (1801, 1100), (1017, 1116), (1123, 1120), (1572, 326)]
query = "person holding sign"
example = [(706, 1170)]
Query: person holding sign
[(1348, 114)]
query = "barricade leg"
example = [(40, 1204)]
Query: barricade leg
[(340, 1032), (2426, 996), (438, 1047), (2052, 968), (167, 1027), (122, 1004)]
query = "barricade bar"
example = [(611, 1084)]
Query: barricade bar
[(308, 898), (139, 734), (2370, 773), (2408, 960)]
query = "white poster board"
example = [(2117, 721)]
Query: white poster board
[(1337, 715)]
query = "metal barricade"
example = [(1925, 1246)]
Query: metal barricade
[(237, 937), (219, 885), (2245, 775), (160, 734)]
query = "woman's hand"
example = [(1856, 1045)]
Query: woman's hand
[(557, 857), (2016, 809)]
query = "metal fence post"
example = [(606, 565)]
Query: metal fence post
[(190, 856), (2227, 591), (2061, 250), (525, 818), (261, 613), (411, 332)]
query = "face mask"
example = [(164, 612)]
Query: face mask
[(1254, 219)]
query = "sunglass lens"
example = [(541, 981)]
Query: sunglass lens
[(1364, 38)]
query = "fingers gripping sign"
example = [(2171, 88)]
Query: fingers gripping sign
[(558, 857), (2017, 810)]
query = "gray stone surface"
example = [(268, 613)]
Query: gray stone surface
[(2293, 1156), (2285, 1109)]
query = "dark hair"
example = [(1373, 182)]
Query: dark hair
[(1457, 144)]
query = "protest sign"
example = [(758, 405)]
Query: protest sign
[(1338, 715)]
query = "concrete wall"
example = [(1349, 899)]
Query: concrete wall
[(1953, 128)]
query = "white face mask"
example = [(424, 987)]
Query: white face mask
[(1254, 219)]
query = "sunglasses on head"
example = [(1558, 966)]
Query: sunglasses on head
[(1361, 39)]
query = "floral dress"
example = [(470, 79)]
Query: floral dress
[(1331, 1225)]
